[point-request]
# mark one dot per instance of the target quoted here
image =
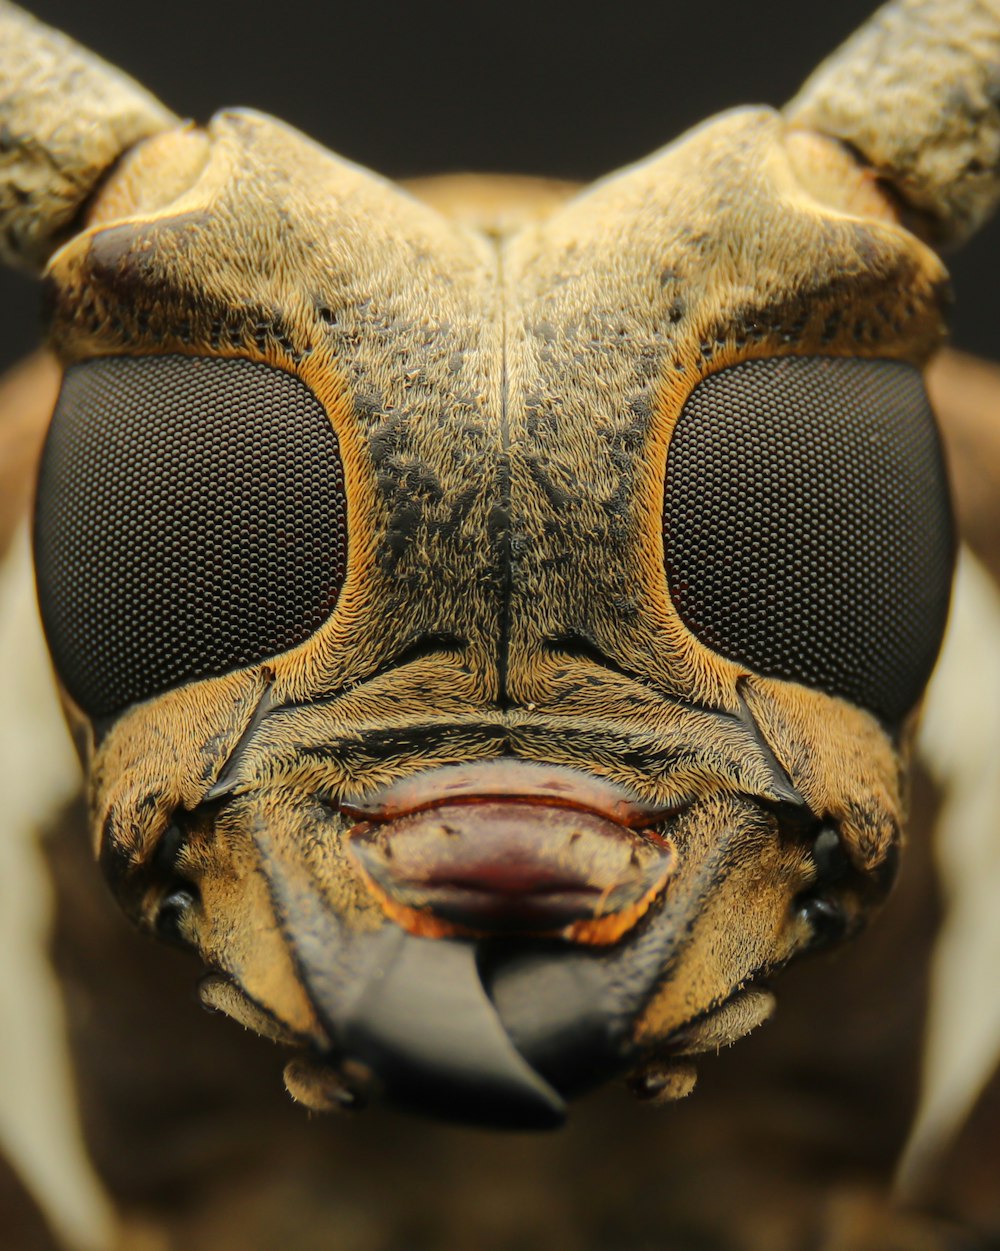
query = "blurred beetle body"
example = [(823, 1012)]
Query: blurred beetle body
[(490, 799)]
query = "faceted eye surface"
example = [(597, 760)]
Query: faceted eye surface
[(807, 526), (191, 519)]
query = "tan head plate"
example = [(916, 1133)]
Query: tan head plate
[(505, 702)]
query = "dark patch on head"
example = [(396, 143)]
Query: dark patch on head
[(558, 496), (460, 507), (416, 742), (398, 536)]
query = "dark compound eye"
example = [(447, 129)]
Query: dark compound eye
[(191, 519), (807, 527)]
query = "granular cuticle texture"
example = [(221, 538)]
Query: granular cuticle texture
[(807, 526), (191, 520)]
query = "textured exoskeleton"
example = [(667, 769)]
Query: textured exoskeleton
[(494, 639)]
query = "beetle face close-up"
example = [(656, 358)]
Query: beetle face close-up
[(493, 616), (493, 649)]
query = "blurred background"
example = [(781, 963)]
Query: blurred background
[(525, 86)]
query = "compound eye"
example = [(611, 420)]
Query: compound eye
[(191, 519), (807, 526)]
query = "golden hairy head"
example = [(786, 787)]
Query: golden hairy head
[(494, 627)]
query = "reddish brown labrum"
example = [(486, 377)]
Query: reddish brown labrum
[(509, 847)]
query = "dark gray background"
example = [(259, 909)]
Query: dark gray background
[(535, 87)]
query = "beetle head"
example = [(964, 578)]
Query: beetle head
[(494, 655)]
